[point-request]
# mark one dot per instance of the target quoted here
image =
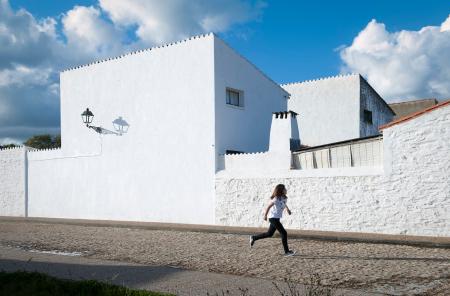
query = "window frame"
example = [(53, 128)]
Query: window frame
[(240, 98)]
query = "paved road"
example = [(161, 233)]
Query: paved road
[(393, 269), (139, 276)]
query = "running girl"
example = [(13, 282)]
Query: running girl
[(275, 211)]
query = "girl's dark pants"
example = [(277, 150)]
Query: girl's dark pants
[(275, 224)]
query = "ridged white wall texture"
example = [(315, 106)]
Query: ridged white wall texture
[(411, 195), (12, 182)]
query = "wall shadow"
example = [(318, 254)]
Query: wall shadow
[(118, 274)]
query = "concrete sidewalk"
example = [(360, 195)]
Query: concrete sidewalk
[(419, 241), (138, 276)]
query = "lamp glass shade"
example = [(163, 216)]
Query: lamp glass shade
[(120, 125), (87, 116)]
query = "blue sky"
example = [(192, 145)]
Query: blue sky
[(404, 54), (297, 40)]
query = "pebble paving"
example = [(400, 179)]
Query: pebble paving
[(387, 269)]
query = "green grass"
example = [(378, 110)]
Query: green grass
[(23, 283)]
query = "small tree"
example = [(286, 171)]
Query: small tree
[(57, 141), (44, 142)]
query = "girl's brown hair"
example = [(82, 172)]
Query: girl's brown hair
[(279, 191)]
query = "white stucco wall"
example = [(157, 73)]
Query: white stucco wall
[(12, 182), (409, 195), (259, 162), (243, 129), (328, 109), (163, 168)]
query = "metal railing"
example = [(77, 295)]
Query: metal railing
[(365, 152)]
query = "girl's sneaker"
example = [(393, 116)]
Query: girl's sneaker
[(289, 253), (252, 241)]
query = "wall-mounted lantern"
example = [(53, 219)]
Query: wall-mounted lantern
[(87, 117), (120, 125)]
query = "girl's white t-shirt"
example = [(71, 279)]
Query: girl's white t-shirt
[(276, 211)]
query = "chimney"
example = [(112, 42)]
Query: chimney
[(284, 134)]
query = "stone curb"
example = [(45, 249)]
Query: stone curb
[(357, 237)]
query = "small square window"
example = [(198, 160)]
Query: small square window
[(368, 116), (235, 98)]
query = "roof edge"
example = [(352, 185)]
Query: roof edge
[(138, 51), (252, 64), (416, 101), (361, 78), (321, 78), (414, 115)]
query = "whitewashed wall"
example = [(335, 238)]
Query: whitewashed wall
[(243, 129), (163, 168), (12, 182), (409, 195), (321, 104), (262, 161)]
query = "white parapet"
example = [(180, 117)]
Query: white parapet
[(258, 162)]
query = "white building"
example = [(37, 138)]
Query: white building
[(186, 104), (336, 109)]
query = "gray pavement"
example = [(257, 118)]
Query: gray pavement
[(155, 278), (395, 269), (374, 238)]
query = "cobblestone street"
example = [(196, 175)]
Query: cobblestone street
[(389, 269)]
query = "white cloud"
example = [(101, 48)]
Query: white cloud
[(85, 30), (21, 75), (29, 52), (34, 51), (23, 39), (162, 21), (445, 26), (6, 141), (404, 64)]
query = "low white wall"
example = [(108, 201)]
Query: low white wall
[(260, 161), (409, 195), (12, 182)]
